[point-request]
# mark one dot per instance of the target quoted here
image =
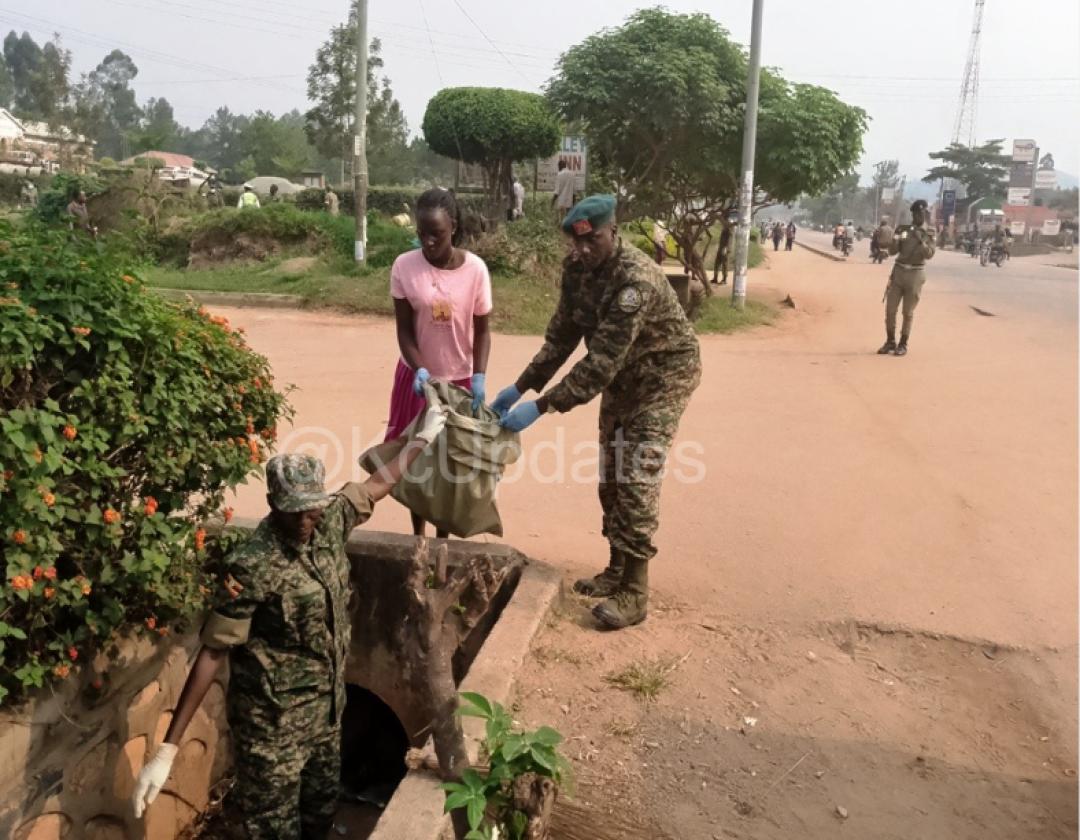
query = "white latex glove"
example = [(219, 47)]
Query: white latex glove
[(434, 422), (152, 778)]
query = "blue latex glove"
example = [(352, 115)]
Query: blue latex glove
[(506, 398), (421, 377), (479, 391), (520, 418)]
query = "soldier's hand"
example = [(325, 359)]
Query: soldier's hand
[(520, 418), (152, 778), (505, 399)]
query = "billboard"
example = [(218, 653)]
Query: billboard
[(1051, 227), (1025, 150), (1022, 174), (1019, 196), (1045, 179), (1017, 227), (948, 204), (887, 194), (575, 152)]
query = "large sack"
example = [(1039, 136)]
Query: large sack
[(452, 483)]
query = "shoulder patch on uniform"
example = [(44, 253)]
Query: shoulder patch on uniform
[(629, 299)]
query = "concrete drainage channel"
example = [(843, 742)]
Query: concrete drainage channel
[(383, 715)]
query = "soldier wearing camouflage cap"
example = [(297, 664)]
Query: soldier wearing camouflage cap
[(912, 245), (643, 357), (280, 615)]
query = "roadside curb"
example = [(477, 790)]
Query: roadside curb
[(261, 300), (821, 253)]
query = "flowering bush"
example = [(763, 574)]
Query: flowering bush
[(123, 421)]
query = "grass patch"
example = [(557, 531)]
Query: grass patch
[(644, 679), (617, 728), (551, 655), (719, 316)]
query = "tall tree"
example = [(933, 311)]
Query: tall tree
[(7, 85), (23, 58), (109, 87), (886, 174), (49, 84), (331, 85), (661, 101), (158, 128), (981, 169)]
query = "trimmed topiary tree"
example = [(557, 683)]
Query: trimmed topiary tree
[(493, 127), (123, 421)]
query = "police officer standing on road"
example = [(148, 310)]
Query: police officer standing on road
[(643, 356), (913, 245), (280, 615)]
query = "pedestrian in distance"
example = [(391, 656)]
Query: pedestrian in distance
[(723, 252), (331, 203), (280, 617), (659, 238), (273, 198), (912, 245), (563, 199), (642, 356), (79, 214), (789, 236), (518, 191), (248, 200), (442, 306), (777, 235)]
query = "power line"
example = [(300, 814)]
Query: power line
[(486, 38)]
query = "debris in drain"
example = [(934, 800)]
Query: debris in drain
[(983, 312), (841, 812)]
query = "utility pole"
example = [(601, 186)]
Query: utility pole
[(746, 189), (360, 172)]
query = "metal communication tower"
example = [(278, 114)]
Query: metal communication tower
[(969, 87)]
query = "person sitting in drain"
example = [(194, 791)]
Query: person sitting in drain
[(281, 616)]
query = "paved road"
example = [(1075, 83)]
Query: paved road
[(1025, 285), (816, 481)]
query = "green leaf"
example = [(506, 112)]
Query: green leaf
[(456, 800), (474, 811), (547, 736), (479, 701)]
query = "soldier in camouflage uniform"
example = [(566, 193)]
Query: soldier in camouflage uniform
[(913, 245), (281, 616), (643, 357)]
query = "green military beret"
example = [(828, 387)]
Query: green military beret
[(589, 214)]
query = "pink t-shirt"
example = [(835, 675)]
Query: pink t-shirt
[(444, 304)]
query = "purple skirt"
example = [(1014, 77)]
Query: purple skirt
[(406, 404)]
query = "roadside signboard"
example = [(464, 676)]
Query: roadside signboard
[(888, 194), (574, 150), (1045, 179), (1051, 227), (1017, 227), (1025, 151), (1019, 196), (1022, 174), (948, 204)]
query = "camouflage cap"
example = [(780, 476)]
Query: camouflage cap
[(296, 483)]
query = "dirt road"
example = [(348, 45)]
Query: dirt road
[(844, 496)]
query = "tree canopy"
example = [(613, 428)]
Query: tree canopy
[(981, 169), (492, 127), (662, 98)]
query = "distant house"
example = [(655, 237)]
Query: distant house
[(313, 178), (39, 147), (179, 170)]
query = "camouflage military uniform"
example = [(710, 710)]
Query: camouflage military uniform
[(913, 247), (282, 610), (643, 355)]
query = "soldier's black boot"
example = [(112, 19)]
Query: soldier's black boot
[(888, 347), (901, 348), (628, 605), (605, 583)]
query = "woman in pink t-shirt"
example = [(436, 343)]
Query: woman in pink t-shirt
[(442, 300)]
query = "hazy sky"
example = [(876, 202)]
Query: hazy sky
[(902, 62)]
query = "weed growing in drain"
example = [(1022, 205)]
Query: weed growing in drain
[(511, 754), (644, 679)]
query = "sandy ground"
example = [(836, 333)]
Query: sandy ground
[(911, 523)]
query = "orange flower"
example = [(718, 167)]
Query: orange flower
[(241, 389), (200, 539), (38, 454), (83, 331), (50, 573), (163, 631), (151, 622), (228, 514), (48, 498), (70, 432), (62, 671), (84, 583), (151, 506), (257, 382), (254, 459), (38, 572), (111, 516), (21, 582), (73, 654), (9, 474), (19, 537), (250, 426), (49, 592), (127, 278)]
